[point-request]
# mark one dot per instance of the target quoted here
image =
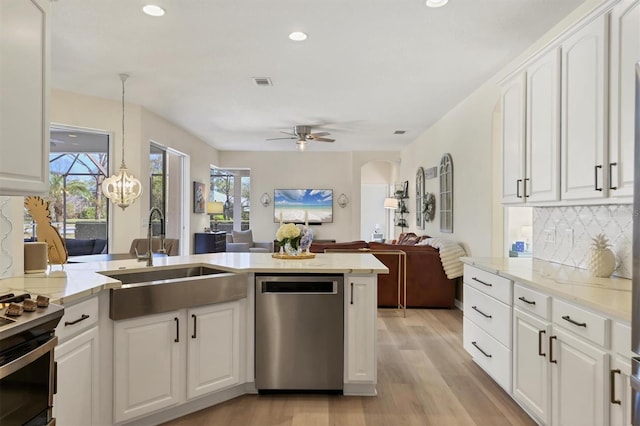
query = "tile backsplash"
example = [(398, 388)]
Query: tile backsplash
[(573, 228)]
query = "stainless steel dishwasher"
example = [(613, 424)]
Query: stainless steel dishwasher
[(299, 332)]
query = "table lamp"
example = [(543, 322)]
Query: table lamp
[(215, 208)]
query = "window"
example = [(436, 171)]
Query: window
[(78, 163), (158, 160), (227, 186)]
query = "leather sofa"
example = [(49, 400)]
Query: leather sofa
[(427, 283)]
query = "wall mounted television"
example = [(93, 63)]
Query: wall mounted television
[(296, 205)]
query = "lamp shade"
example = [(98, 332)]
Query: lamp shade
[(215, 207), (390, 203)]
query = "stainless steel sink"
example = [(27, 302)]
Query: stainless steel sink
[(155, 274), (154, 290)]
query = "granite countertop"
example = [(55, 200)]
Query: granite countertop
[(79, 280), (611, 296)]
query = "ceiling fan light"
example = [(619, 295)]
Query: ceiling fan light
[(436, 3), (301, 144), (153, 10), (297, 36)]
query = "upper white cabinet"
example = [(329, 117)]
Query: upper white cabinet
[(24, 104), (625, 40), (530, 132), (584, 72)]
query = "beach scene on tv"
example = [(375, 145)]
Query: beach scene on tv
[(303, 205)]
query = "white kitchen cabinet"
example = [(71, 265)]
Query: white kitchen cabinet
[(578, 370), (531, 380), (360, 328), (165, 359), (584, 100), (24, 104), (513, 139), (77, 354), (625, 53), (620, 392), (213, 348), (148, 363)]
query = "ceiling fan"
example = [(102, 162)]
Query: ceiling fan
[(303, 135)]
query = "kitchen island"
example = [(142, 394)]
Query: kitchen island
[(153, 368)]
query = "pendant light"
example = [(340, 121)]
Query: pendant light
[(122, 188)]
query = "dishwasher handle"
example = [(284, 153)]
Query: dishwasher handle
[(300, 287)]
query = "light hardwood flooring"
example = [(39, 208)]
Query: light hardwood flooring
[(425, 377)]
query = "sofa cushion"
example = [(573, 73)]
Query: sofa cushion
[(243, 236), (351, 245), (407, 238)]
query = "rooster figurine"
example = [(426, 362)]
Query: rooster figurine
[(39, 211)]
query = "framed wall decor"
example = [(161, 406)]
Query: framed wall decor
[(446, 193), (198, 197), (419, 198)]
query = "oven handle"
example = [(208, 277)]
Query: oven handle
[(27, 358)]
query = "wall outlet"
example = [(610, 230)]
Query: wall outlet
[(549, 235), (568, 236)]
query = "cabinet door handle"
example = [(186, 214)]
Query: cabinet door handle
[(351, 302), (518, 188), (525, 188), (574, 322), (82, 318), (611, 174), (177, 339), (551, 339), (529, 302), (193, 336), (475, 308), (596, 177), (55, 377), (612, 387), (540, 333), (480, 349), (482, 282)]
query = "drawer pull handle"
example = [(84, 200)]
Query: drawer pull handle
[(82, 318), (612, 386), (574, 322), (482, 282), (551, 338), (475, 308), (177, 339), (540, 333), (193, 336), (529, 302), (480, 349)]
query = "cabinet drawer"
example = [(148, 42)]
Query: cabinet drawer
[(531, 301), (621, 339), (488, 353), (582, 322), (491, 315), (77, 318), (488, 283)]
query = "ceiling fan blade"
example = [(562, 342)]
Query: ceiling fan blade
[(319, 134), (323, 140), (278, 139)]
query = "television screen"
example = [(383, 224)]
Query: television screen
[(300, 205)]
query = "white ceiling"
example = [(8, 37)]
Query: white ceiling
[(368, 68)]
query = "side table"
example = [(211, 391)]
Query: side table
[(210, 242)]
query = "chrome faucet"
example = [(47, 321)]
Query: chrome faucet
[(148, 256)]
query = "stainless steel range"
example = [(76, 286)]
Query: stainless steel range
[(27, 370)]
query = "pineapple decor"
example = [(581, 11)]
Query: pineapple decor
[(602, 261)]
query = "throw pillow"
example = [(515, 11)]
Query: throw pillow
[(243, 236)]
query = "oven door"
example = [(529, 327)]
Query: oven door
[(27, 381)]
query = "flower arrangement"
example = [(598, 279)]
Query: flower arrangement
[(294, 238)]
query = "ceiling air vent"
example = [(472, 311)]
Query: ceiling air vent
[(399, 132), (262, 81)]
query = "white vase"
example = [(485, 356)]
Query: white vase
[(602, 262)]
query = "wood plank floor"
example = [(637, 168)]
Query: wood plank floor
[(425, 377)]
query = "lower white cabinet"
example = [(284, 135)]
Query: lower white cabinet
[(161, 360), (620, 392), (360, 328), (578, 370), (76, 401), (531, 381)]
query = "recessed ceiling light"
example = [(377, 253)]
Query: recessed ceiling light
[(71, 135), (298, 36), (153, 10), (436, 3)]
